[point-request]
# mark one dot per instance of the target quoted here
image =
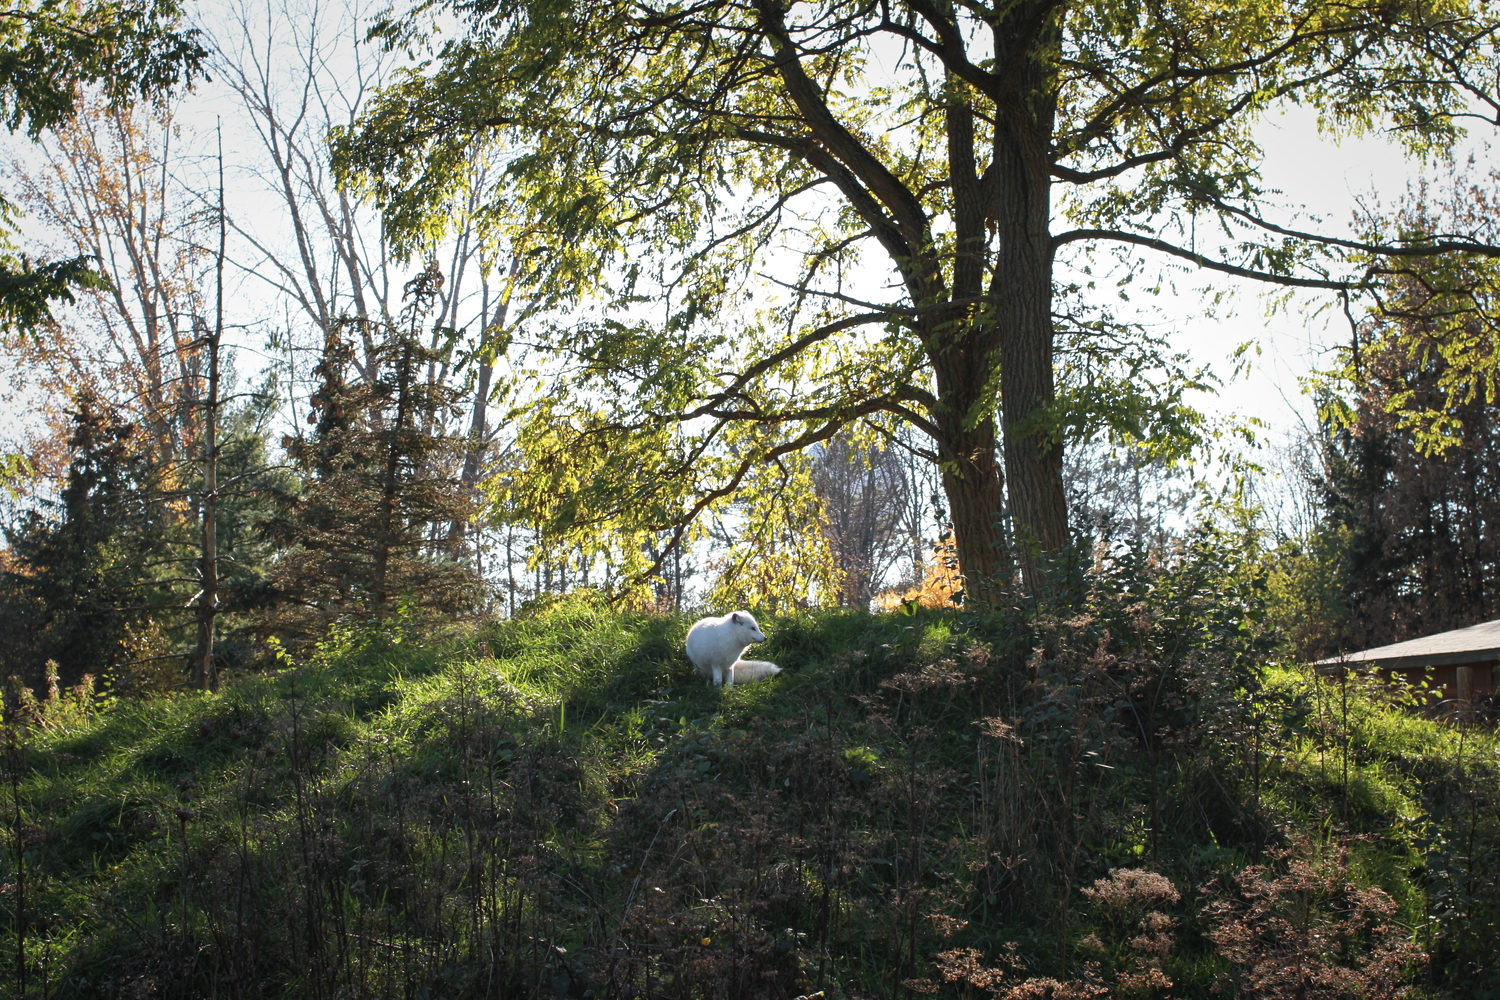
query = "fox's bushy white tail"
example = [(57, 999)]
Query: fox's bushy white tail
[(715, 644), (745, 671)]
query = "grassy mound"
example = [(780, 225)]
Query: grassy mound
[(1111, 803)]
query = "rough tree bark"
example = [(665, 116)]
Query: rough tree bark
[(1020, 193)]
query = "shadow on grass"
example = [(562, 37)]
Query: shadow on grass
[(559, 804)]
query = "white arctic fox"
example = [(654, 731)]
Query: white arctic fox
[(715, 644)]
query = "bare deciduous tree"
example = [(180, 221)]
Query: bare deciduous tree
[(104, 184), (297, 70), (865, 495)]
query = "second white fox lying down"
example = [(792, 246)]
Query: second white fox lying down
[(715, 644)]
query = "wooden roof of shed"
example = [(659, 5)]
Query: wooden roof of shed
[(1475, 644)]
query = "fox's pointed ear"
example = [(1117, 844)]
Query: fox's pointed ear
[(737, 619)]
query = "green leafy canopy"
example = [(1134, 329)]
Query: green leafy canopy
[(755, 223)]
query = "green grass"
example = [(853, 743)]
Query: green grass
[(401, 815)]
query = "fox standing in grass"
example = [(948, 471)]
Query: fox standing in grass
[(715, 644)]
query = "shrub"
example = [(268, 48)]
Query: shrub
[(1301, 928)]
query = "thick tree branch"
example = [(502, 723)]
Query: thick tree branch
[(902, 205), (886, 229)]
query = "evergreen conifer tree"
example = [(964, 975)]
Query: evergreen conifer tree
[(1420, 530), (84, 568), (368, 529)]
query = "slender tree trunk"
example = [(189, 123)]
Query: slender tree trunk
[(391, 480), (479, 423), (204, 674), (479, 428)]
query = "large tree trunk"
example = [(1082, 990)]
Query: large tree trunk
[(1022, 293), (976, 503), (963, 357), (999, 305), (964, 350), (1033, 447)]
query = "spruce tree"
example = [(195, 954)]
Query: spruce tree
[(367, 530), (85, 567)]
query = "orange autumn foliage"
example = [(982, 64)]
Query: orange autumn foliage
[(941, 582)]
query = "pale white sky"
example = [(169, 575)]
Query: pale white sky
[(1319, 178)]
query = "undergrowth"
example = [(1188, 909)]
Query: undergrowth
[(1115, 801)]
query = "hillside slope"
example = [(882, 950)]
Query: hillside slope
[(926, 802)]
